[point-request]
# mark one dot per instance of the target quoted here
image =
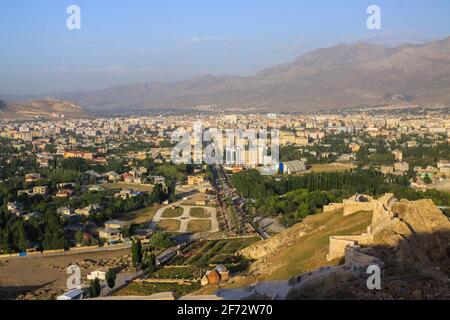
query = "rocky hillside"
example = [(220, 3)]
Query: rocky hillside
[(419, 242), (48, 108), (304, 246), (414, 249)]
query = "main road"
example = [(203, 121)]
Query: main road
[(224, 189)]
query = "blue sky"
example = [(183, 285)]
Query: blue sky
[(123, 42)]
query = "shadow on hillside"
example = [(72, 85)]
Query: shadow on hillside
[(416, 267), (12, 293)]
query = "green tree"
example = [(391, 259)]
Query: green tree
[(150, 262), (111, 278), (95, 288), (79, 236), (136, 253), (427, 179), (161, 240)]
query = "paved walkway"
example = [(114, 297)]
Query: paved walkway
[(185, 217)]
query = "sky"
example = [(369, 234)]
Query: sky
[(123, 42)]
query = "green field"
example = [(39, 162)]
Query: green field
[(196, 226), (216, 252), (143, 215), (187, 272), (169, 225), (146, 289), (172, 213), (199, 213)]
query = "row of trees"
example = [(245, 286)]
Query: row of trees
[(46, 233), (251, 184), (295, 197), (296, 205)]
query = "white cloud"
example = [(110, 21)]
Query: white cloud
[(207, 39)]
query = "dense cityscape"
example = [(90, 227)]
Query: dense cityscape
[(232, 158), (105, 186)]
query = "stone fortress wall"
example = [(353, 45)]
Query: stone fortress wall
[(348, 247), (382, 217)]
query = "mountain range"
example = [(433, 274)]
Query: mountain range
[(359, 74)]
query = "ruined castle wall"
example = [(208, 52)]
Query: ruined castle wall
[(333, 206), (352, 207), (338, 245), (355, 259)]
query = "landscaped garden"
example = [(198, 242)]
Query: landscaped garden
[(173, 212), (196, 226), (199, 213)]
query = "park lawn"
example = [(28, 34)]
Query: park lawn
[(218, 251), (169, 225), (142, 216), (172, 213), (199, 226), (199, 213)]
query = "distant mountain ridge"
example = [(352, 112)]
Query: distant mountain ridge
[(48, 108), (340, 76)]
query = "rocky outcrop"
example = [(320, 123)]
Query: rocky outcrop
[(264, 249), (46, 108), (410, 240), (418, 241)]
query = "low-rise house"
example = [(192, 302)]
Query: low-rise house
[(95, 188), (130, 179), (444, 167), (116, 224), (213, 277), (33, 177), (31, 215), (386, 169), (65, 211), (15, 208), (40, 190), (158, 180), (401, 167), (125, 194), (89, 210), (28, 193), (65, 193), (68, 185), (112, 176), (97, 274), (111, 235), (195, 180)]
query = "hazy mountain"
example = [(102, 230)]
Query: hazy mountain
[(47, 108), (340, 76)]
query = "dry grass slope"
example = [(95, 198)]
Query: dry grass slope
[(303, 247)]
